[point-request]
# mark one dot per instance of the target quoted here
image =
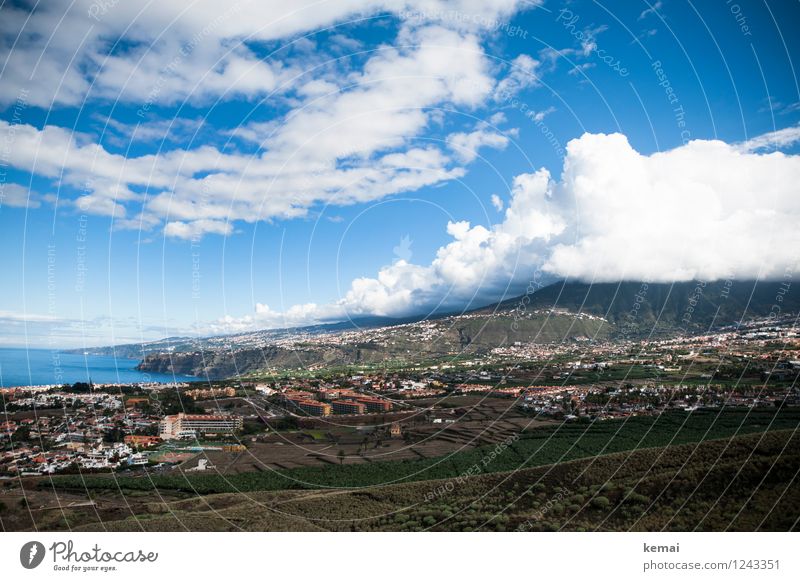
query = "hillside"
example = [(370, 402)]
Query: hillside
[(453, 336), (564, 311), (736, 483), (679, 307)]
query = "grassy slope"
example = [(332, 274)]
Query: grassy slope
[(738, 483)]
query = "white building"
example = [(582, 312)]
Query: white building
[(190, 425)]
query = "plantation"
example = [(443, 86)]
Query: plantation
[(741, 483), (537, 447)]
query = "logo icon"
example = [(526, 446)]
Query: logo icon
[(31, 554), (403, 250)]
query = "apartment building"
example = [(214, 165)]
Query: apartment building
[(191, 425)]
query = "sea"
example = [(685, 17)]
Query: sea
[(27, 367)]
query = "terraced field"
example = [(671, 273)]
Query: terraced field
[(742, 483), (711, 470), (535, 447)]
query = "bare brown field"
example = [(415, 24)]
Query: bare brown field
[(428, 433)]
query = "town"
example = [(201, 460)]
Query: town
[(364, 415)]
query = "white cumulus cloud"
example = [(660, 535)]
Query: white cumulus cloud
[(350, 137), (705, 210), (167, 52), (497, 202)]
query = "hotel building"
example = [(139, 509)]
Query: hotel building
[(190, 425)]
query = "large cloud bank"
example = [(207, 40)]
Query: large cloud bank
[(706, 210)]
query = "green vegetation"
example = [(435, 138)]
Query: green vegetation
[(739, 484), (732, 484), (318, 435), (171, 402), (537, 447)]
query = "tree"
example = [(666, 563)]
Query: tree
[(341, 455), (23, 433), (115, 434), (79, 387)]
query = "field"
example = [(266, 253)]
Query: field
[(747, 482), (646, 472), (534, 447)]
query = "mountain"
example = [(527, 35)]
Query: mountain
[(562, 312), (244, 339), (643, 308)]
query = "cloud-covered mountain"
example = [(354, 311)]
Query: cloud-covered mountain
[(706, 210)]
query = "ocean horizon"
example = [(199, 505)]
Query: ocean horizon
[(23, 367)]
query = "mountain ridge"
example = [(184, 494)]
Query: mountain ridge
[(562, 311)]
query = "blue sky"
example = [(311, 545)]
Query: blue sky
[(178, 172)]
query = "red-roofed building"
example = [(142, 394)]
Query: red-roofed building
[(312, 407), (348, 407), (375, 404)]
